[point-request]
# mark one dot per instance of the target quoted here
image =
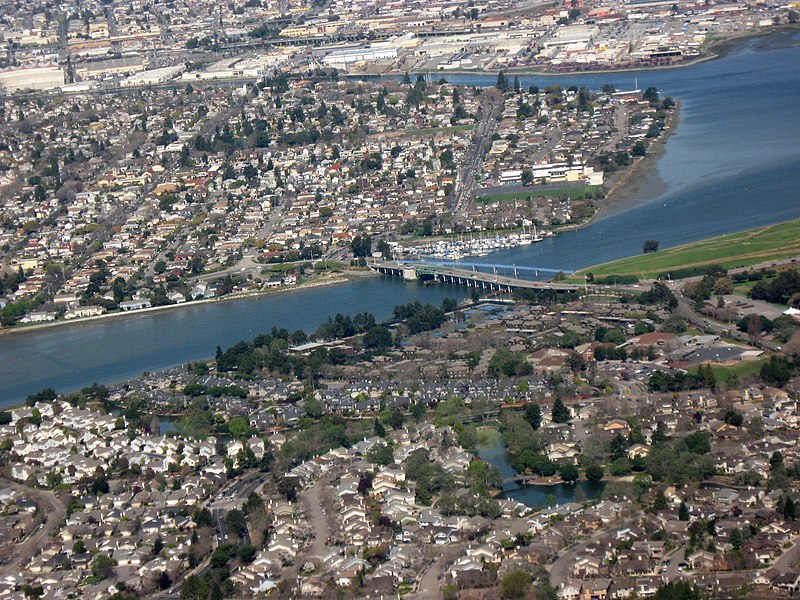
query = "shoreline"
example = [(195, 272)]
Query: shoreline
[(621, 195), (609, 202), (323, 282), (711, 50), (618, 198)]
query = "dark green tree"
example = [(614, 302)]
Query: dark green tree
[(561, 414), (569, 473), (502, 82), (533, 415), (594, 473)]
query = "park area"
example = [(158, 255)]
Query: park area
[(743, 249)]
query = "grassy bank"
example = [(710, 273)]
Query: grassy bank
[(574, 193), (746, 248)]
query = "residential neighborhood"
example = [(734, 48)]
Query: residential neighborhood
[(507, 443)]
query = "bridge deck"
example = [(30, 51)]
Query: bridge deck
[(468, 278)]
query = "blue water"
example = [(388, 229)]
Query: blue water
[(73, 356), (733, 163), (536, 495)]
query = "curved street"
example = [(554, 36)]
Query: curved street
[(55, 516)]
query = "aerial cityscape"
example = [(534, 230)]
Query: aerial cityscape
[(459, 300)]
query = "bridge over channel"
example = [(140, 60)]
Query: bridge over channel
[(463, 277)]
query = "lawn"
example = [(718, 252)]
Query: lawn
[(574, 193), (743, 288), (432, 130), (741, 370), (733, 250)]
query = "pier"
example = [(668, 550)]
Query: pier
[(463, 277)]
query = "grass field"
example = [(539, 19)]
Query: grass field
[(574, 193), (432, 130), (733, 250), (742, 370)]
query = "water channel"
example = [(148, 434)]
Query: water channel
[(733, 163)]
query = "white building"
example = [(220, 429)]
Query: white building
[(43, 77), (349, 56)]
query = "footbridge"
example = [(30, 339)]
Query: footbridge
[(474, 279)]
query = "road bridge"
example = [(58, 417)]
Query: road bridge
[(473, 279)]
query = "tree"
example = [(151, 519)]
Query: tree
[(247, 553), (235, 521), (287, 486), (651, 94), (594, 473), (776, 460), (381, 454), (561, 414), (502, 82), (683, 512), (515, 584), (697, 443), (102, 567), (450, 592), (789, 509), (158, 545), (734, 417), (777, 371), (659, 501), (238, 426), (569, 473), (46, 395), (677, 590), (378, 338), (361, 246), (650, 246), (533, 415)]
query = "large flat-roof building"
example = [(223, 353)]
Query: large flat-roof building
[(44, 77)]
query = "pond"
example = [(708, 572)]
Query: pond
[(492, 451)]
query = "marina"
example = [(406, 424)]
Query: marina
[(468, 245)]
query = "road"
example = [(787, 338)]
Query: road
[(465, 183), (312, 503), (56, 514), (673, 571), (561, 570), (788, 561), (428, 586), (228, 498), (686, 311), (620, 127), (728, 330)]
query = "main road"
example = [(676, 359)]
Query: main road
[(54, 518), (465, 184)]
